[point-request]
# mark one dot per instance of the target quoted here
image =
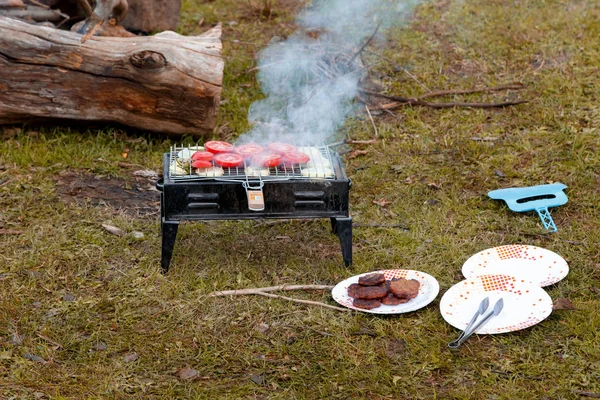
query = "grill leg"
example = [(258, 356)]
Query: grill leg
[(343, 228), (169, 234)]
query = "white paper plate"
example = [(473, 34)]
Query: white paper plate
[(530, 263), (525, 303), (428, 291)]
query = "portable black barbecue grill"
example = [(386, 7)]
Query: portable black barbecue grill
[(287, 191)]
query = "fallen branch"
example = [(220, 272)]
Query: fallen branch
[(10, 232), (364, 225), (509, 86), (264, 292), (417, 101), (372, 123), (470, 105), (35, 13), (587, 394), (309, 302), (389, 7), (269, 289), (37, 3)]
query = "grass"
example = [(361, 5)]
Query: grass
[(85, 301)]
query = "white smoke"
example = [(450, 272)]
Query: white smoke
[(311, 79)]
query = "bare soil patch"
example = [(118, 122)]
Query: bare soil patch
[(134, 196)]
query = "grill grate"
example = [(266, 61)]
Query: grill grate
[(319, 167), (286, 192)]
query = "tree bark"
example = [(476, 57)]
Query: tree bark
[(165, 83)]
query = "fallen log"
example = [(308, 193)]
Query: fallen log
[(165, 83)]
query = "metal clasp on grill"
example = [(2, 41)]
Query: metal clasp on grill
[(256, 198)]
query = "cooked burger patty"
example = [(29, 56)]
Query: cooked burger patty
[(405, 289), (391, 300), (352, 289), (370, 292), (371, 279), (366, 304)]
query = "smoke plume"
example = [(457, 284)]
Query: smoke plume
[(310, 79)]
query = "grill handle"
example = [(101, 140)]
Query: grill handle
[(160, 184)]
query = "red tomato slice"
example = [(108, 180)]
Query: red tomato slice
[(201, 164), (267, 160), (228, 160), (217, 147), (203, 155), (281, 148), (249, 150), (295, 157)]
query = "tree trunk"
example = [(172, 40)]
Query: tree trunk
[(165, 83)]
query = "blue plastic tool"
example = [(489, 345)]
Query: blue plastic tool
[(537, 198)]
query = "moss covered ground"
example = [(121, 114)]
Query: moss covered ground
[(87, 315)]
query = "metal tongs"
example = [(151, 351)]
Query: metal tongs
[(472, 327)]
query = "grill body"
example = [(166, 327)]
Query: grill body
[(226, 199)]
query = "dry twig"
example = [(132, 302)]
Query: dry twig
[(269, 289), (587, 394), (417, 101), (367, 225), (509, 86), (4, 231), (37, 3), (264, 292), (309, 302)]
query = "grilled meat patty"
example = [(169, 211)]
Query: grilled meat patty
[(405, 289), (391, 300), (371, 279), (352, 290), (366, 304), (370, 292)]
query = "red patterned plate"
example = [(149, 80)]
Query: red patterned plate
[(531, 263), (525, 303), (428, 291)]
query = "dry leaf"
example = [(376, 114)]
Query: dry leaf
[(187, 373), (113, 229), (130, 357), (68, 297), (17, 339), (99, 346), (258, 379), (146, 173), (357, 153), (135, 140), (33, 357), (262, 327), (434, 185), (381, 202), (563, 304), (137, 235), (395, 348), (365, 331)]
